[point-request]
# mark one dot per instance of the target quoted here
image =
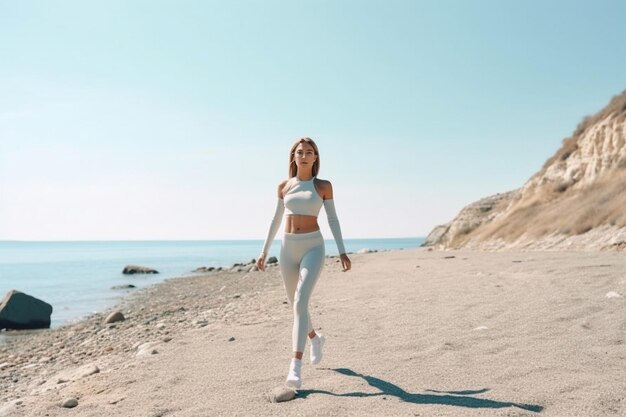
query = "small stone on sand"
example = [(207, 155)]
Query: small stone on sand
[(113, 317), (70, 403), (282, 394)]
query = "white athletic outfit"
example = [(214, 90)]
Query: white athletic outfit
[(302, 254)]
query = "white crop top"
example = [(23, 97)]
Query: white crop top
[(302, 198)]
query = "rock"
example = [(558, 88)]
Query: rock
[(365, 250), (20, 311), (282, 394), (272, 260), (231, 339), (113, 317), (613, 294), (70, 403), (123, 287), (137, 269), (149, 348), (84, 371)]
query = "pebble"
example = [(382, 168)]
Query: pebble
[(70, 403), (282, 394), (123, 287), (613, 294), (86, 370), (147, 349), (115, 316), (231, 339)]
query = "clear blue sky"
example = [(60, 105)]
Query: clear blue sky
[(173, 120)]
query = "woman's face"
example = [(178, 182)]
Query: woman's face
[(305, 155)]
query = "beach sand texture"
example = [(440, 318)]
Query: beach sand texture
[(409, 333)]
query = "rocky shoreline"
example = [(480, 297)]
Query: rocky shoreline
[(36, 362)]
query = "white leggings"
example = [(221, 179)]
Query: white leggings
[(301, 261)]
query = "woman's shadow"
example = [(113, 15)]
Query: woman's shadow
[(453, 398)]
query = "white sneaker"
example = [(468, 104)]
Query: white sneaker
[(293, 378), (317, 343)]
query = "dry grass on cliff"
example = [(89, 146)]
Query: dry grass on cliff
[(575, 212), (616, 107)]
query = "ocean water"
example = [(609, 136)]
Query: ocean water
[(76, 277)]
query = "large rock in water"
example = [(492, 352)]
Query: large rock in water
[(21, 311), (137, 269)]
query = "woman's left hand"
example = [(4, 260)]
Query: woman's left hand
[(345, 262)]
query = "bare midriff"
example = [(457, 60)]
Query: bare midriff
[(300, 223)]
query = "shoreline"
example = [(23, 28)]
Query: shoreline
[(498, 323), (123, 293), (131, 301), (78, 281)]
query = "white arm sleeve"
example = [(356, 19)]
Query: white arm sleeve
[(333, 222), (276, 220)]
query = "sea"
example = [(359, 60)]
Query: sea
[(77, 277)]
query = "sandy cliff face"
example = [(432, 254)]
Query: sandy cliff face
[(576, 201)]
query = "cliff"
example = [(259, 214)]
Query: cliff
[(576, 201)]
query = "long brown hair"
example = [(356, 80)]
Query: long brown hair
[(293, 169)]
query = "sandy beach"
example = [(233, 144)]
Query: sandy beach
[(409, 333)]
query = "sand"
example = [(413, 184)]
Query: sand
[(409, 333)]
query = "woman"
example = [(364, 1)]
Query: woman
[(302, 252)]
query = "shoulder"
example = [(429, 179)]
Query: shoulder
[(325, 188), (282, 187)]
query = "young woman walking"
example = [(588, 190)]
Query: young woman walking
[(302, 253)]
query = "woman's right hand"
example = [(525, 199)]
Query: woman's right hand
[(260, 263)]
